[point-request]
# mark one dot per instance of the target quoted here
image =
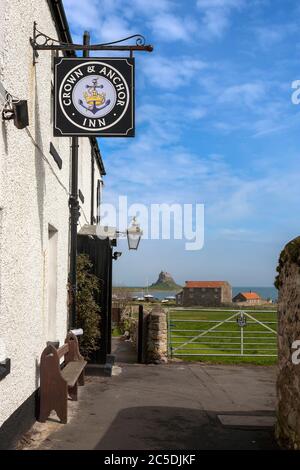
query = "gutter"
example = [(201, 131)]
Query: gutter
[(61, 23)]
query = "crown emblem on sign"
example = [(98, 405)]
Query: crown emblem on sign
[(95, 100)]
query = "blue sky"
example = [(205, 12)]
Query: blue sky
[(214, 124)]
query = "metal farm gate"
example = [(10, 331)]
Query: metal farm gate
[(251, 333)]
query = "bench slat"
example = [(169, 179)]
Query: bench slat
[(63, 350), (72, 371)]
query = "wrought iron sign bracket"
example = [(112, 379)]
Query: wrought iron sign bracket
[(42, 42)]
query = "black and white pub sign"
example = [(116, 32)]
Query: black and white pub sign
[(94, 97)]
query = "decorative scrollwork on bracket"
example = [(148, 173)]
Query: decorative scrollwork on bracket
[(41, 41), (139, 40)]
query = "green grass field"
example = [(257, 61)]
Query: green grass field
[(223, 343)]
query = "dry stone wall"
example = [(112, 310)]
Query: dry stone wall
[(288, 379)]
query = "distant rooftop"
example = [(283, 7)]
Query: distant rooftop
[(251, 295), (195, 284)]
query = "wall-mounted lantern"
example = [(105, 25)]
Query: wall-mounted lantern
[(18, 111), (134, 234), (13, 108)]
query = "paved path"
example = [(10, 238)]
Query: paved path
[(123, 351), (173, 406)]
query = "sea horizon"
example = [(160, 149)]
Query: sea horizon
[(266, 292)]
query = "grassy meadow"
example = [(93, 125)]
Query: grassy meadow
[(223, 343)]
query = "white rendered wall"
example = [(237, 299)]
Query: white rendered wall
[(33, 195)]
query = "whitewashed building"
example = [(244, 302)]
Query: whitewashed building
[(34, 210)]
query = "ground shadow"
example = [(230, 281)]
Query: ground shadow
[(157, 427)]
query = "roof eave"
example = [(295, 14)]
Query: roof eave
[(98, 156)]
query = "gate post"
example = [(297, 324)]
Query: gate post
[(140, 334), (157, 338), (169, 335)]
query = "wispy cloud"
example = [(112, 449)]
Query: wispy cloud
[(170, 27), (216, 15), (168, 74), (273, 34), (112, 19), (243, 94)]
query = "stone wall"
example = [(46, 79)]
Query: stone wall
[(207, 296), (288, 380), (155, 333), (157, 342)]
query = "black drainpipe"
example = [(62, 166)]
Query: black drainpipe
[(74, 217), (92, 185)]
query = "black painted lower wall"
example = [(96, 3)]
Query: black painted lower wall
[(18, 423)]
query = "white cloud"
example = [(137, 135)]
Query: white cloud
[(198, 113), (171, 74), (172, 28), (79, 16), (216, 15), (245, 94), (115, 27), (109, 20), (102, 19), (272, 34)]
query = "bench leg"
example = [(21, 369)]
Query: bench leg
[(62, 410), (45, 403), (54, 401), (81, 378), (73, 392), (44, 412)]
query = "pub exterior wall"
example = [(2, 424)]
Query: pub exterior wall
[(34, 195)]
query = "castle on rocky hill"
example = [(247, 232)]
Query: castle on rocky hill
[(165, 281)]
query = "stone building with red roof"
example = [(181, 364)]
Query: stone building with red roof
[(205, 294)]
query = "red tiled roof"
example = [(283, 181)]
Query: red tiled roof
[(251, 295), (195, 284)]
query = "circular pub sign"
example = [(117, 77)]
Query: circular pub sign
[(94, 97)]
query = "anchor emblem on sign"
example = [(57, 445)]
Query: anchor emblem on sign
[(95, 100)]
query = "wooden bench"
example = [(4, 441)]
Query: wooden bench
[(60, 381)]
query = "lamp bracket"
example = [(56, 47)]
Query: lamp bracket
[(4, 368), (7, 114)]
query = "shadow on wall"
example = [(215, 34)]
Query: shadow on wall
[(37, 374), (39, 162), (4, 137), (158, 427), (18, 423)]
